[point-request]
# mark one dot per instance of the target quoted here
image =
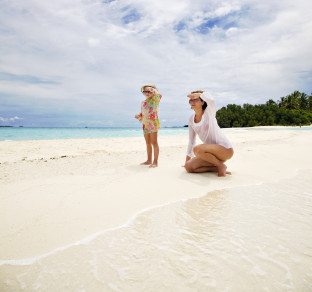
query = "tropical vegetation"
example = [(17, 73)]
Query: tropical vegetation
[(293, 110)]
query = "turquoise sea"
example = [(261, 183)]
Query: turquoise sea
[(25, 133)]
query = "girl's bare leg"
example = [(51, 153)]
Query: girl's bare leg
[(148, 149), (156, 149), (209, 157)]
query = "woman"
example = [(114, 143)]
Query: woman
[(216, 147), (149, 116)]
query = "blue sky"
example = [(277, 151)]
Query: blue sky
[(82, 63)]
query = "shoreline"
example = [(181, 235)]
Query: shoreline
[(65, 191), (165, 131), (131, 220)]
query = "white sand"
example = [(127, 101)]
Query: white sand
[(54, 193)]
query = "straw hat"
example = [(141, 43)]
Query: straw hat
[(148, 85)]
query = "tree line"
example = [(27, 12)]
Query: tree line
[(293, 110)]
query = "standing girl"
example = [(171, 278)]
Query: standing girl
[(149, 116)]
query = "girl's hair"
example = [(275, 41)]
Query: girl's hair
[(205, 103), (155, 91)]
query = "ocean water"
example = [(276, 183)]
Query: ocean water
[(23, 133), (248, 238)]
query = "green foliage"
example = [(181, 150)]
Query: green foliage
[(294, 109)]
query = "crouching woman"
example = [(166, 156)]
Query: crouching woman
[(216, 148)]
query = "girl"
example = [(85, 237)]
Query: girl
[(149, 117), (217, 148)]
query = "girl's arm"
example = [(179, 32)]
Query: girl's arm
[(156, 98), (139, 117), (156, 95)]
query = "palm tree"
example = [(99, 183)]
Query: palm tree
[(310, 103), (303, 101), (293, 100)]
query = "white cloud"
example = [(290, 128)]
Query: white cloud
[(12, 119), (93, 42), (95, 55)]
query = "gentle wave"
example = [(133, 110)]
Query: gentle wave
[(247, 238), (86, 240)]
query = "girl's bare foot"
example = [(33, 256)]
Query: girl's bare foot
[(153, 165), (146, 163)]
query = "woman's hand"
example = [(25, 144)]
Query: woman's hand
[(194, 95), (186, 160)]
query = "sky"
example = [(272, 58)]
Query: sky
[(77, 63)]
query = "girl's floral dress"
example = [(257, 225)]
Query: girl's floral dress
[(150, 114)]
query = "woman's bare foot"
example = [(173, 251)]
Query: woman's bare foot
[(146, 163), (153, 165), (222, 170)]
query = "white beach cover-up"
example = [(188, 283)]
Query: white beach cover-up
[(207, 129)]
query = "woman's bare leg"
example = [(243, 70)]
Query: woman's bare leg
[(148, 149), (156, 149), (209, 157), (198, 165)]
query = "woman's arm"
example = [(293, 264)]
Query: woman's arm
[(192, 141), (211, 106)]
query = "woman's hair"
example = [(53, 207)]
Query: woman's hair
[(205, 103)]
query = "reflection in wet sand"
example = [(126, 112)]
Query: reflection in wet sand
[(251, 238)]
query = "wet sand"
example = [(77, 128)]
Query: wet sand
[(55, 192)]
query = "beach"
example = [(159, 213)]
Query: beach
[(82, 214)]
